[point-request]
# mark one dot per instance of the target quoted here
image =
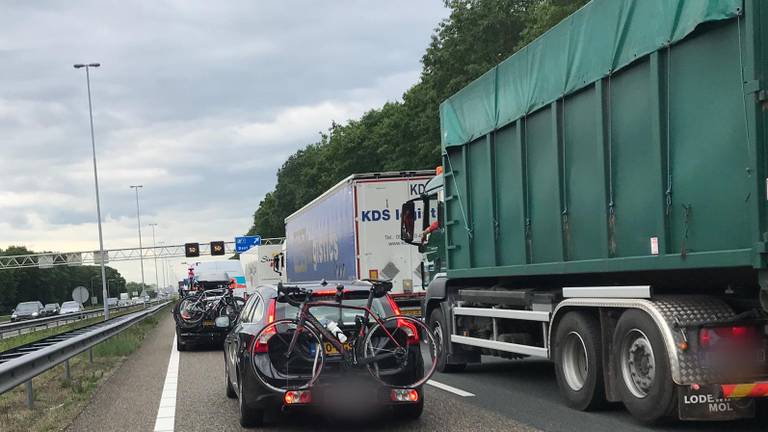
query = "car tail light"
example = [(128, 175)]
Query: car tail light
[(733, 334), (404, 395), (294, 397), (409, 328), (260, 344)]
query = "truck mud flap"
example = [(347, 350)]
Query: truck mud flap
[(708, 403)]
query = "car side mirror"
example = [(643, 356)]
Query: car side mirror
[(407, 221), (222, 322)]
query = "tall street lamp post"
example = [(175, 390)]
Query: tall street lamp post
[(138, 219), (87, 67)]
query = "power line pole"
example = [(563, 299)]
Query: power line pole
[(154, 252)]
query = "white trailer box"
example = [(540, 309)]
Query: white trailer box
[(257, 265), (352, 231)]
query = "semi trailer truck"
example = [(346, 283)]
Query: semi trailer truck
[(603, 205), (352, 231)]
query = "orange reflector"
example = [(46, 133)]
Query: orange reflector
[(439, 170), (373, 274)]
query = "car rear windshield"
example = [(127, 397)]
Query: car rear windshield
[(50, 306), (330, 313), (24, 307)]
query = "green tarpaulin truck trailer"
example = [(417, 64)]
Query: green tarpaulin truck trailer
[(603, 205)]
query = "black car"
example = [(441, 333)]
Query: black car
[(196, 313), (255, 398), (27, 310), (51, 309)]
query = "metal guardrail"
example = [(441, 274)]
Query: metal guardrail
[(39, 322), (29, 361)]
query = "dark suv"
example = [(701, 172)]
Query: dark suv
[(27, 310), (263, 308)]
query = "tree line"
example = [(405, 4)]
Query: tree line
[(405, 135), (52, 285)]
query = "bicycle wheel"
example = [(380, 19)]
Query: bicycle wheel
[(189, 312), (280, 370), (400, 352)]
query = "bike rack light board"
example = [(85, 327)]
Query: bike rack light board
[(25, 367)]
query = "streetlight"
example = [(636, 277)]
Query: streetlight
[(96, 182), (154, 252), (138, 218)]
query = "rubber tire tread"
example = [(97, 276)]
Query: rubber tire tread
[(591, 396), (442, 360), (661, 402), (249, 417)]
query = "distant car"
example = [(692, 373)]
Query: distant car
[(27, 310), (123, 303), (71, 307), (51, 309), (112, 301), (137, 300)]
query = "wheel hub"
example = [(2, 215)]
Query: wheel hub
[(638, 363)]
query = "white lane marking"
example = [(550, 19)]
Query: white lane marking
[(450, 389), (166, 411)]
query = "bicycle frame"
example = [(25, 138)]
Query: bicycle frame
[(306, 316)]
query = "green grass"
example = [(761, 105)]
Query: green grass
[(16, 341), (4, 318), (58, 401)]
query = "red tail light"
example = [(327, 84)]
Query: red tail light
[(410, 329), (260, 345), (294, 397), (733, 334)]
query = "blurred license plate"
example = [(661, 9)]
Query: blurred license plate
[(331, 350), (207, 323), (414, 312)]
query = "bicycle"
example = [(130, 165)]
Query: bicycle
[(290, 354), (211, 303)]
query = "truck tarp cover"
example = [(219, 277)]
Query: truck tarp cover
[(600, 38)]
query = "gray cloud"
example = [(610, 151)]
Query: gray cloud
[(199, 101)]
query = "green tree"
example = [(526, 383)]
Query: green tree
[(476, 36)]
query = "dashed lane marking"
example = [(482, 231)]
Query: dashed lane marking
[(166, 412), (446, 387)]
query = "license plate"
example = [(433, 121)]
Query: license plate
[(708, 404), (331, 350), (207, 323), (414, 312)]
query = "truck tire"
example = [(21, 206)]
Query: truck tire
[(578, 356), (437, 324), (642, 368)]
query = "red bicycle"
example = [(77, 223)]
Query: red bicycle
[(398, 351)]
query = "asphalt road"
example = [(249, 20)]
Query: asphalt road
[(508, 396)]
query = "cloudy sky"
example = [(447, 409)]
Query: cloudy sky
[(200, 102)]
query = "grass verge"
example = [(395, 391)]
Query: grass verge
[(25, 338), (57, 401)]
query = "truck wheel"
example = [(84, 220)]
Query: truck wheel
[(642, 368), (437, 325), (578, 355)]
